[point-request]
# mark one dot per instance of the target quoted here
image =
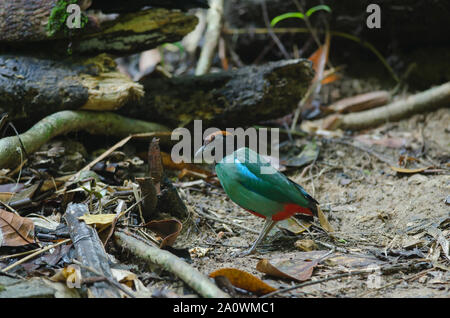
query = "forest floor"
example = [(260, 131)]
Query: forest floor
[(380, 217)]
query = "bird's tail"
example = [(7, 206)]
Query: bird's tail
[(312, 205)]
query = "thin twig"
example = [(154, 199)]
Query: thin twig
[(226, 222), (271, 33), (348, 36), (279, 291), (369, 151), (23, 260), (387, 269), (109, 280)]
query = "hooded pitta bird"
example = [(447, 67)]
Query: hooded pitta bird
[(253, 184)]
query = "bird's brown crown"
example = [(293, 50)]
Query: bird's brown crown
[(212, 136)]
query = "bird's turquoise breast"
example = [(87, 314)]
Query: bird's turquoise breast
[(231, 173), (242, 196)]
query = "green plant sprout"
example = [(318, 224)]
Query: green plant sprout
[(299, 15), (348, 36), (178, 45)]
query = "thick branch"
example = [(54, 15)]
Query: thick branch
[(425, 101)]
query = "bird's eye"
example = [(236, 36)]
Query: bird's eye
[(209, 139)]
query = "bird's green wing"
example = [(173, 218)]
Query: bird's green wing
[(256, 174)]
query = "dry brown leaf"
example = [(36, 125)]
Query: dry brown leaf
[(323, 221), (330, 79), (15, 230), (6, 196), (306, 245), (294, 225), (98, 219), (244, 280), (299, 268), (167, 229), (70, 275), (191, 168), (407, 170)]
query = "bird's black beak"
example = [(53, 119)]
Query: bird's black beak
[(199, 151)]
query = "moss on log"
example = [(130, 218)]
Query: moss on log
[(127, 34), (225, 99)]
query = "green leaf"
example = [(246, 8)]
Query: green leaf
[(180, 46), (317, 8), (287, 15)]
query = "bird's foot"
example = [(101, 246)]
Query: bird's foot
[(242, 254)]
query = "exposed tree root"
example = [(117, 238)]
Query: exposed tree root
[(199, 282), (103, 123)]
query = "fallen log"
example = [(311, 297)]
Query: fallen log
[(23, 22), (32, 88), (89, 252), (225, 99), (154, 255), (424, 101), (102, 123), (135, 5)]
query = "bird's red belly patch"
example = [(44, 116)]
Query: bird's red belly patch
[(289, 210)]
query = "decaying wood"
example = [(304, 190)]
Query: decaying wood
[(424, 101), (226, 99), (153, 255), (103, 123), (148, 194), (32, 88), (169, 201), (89, 251), (127, 34)]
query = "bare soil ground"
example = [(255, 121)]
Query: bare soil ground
[(376, 212)]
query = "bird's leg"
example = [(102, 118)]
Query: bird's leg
[(266, 229)]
